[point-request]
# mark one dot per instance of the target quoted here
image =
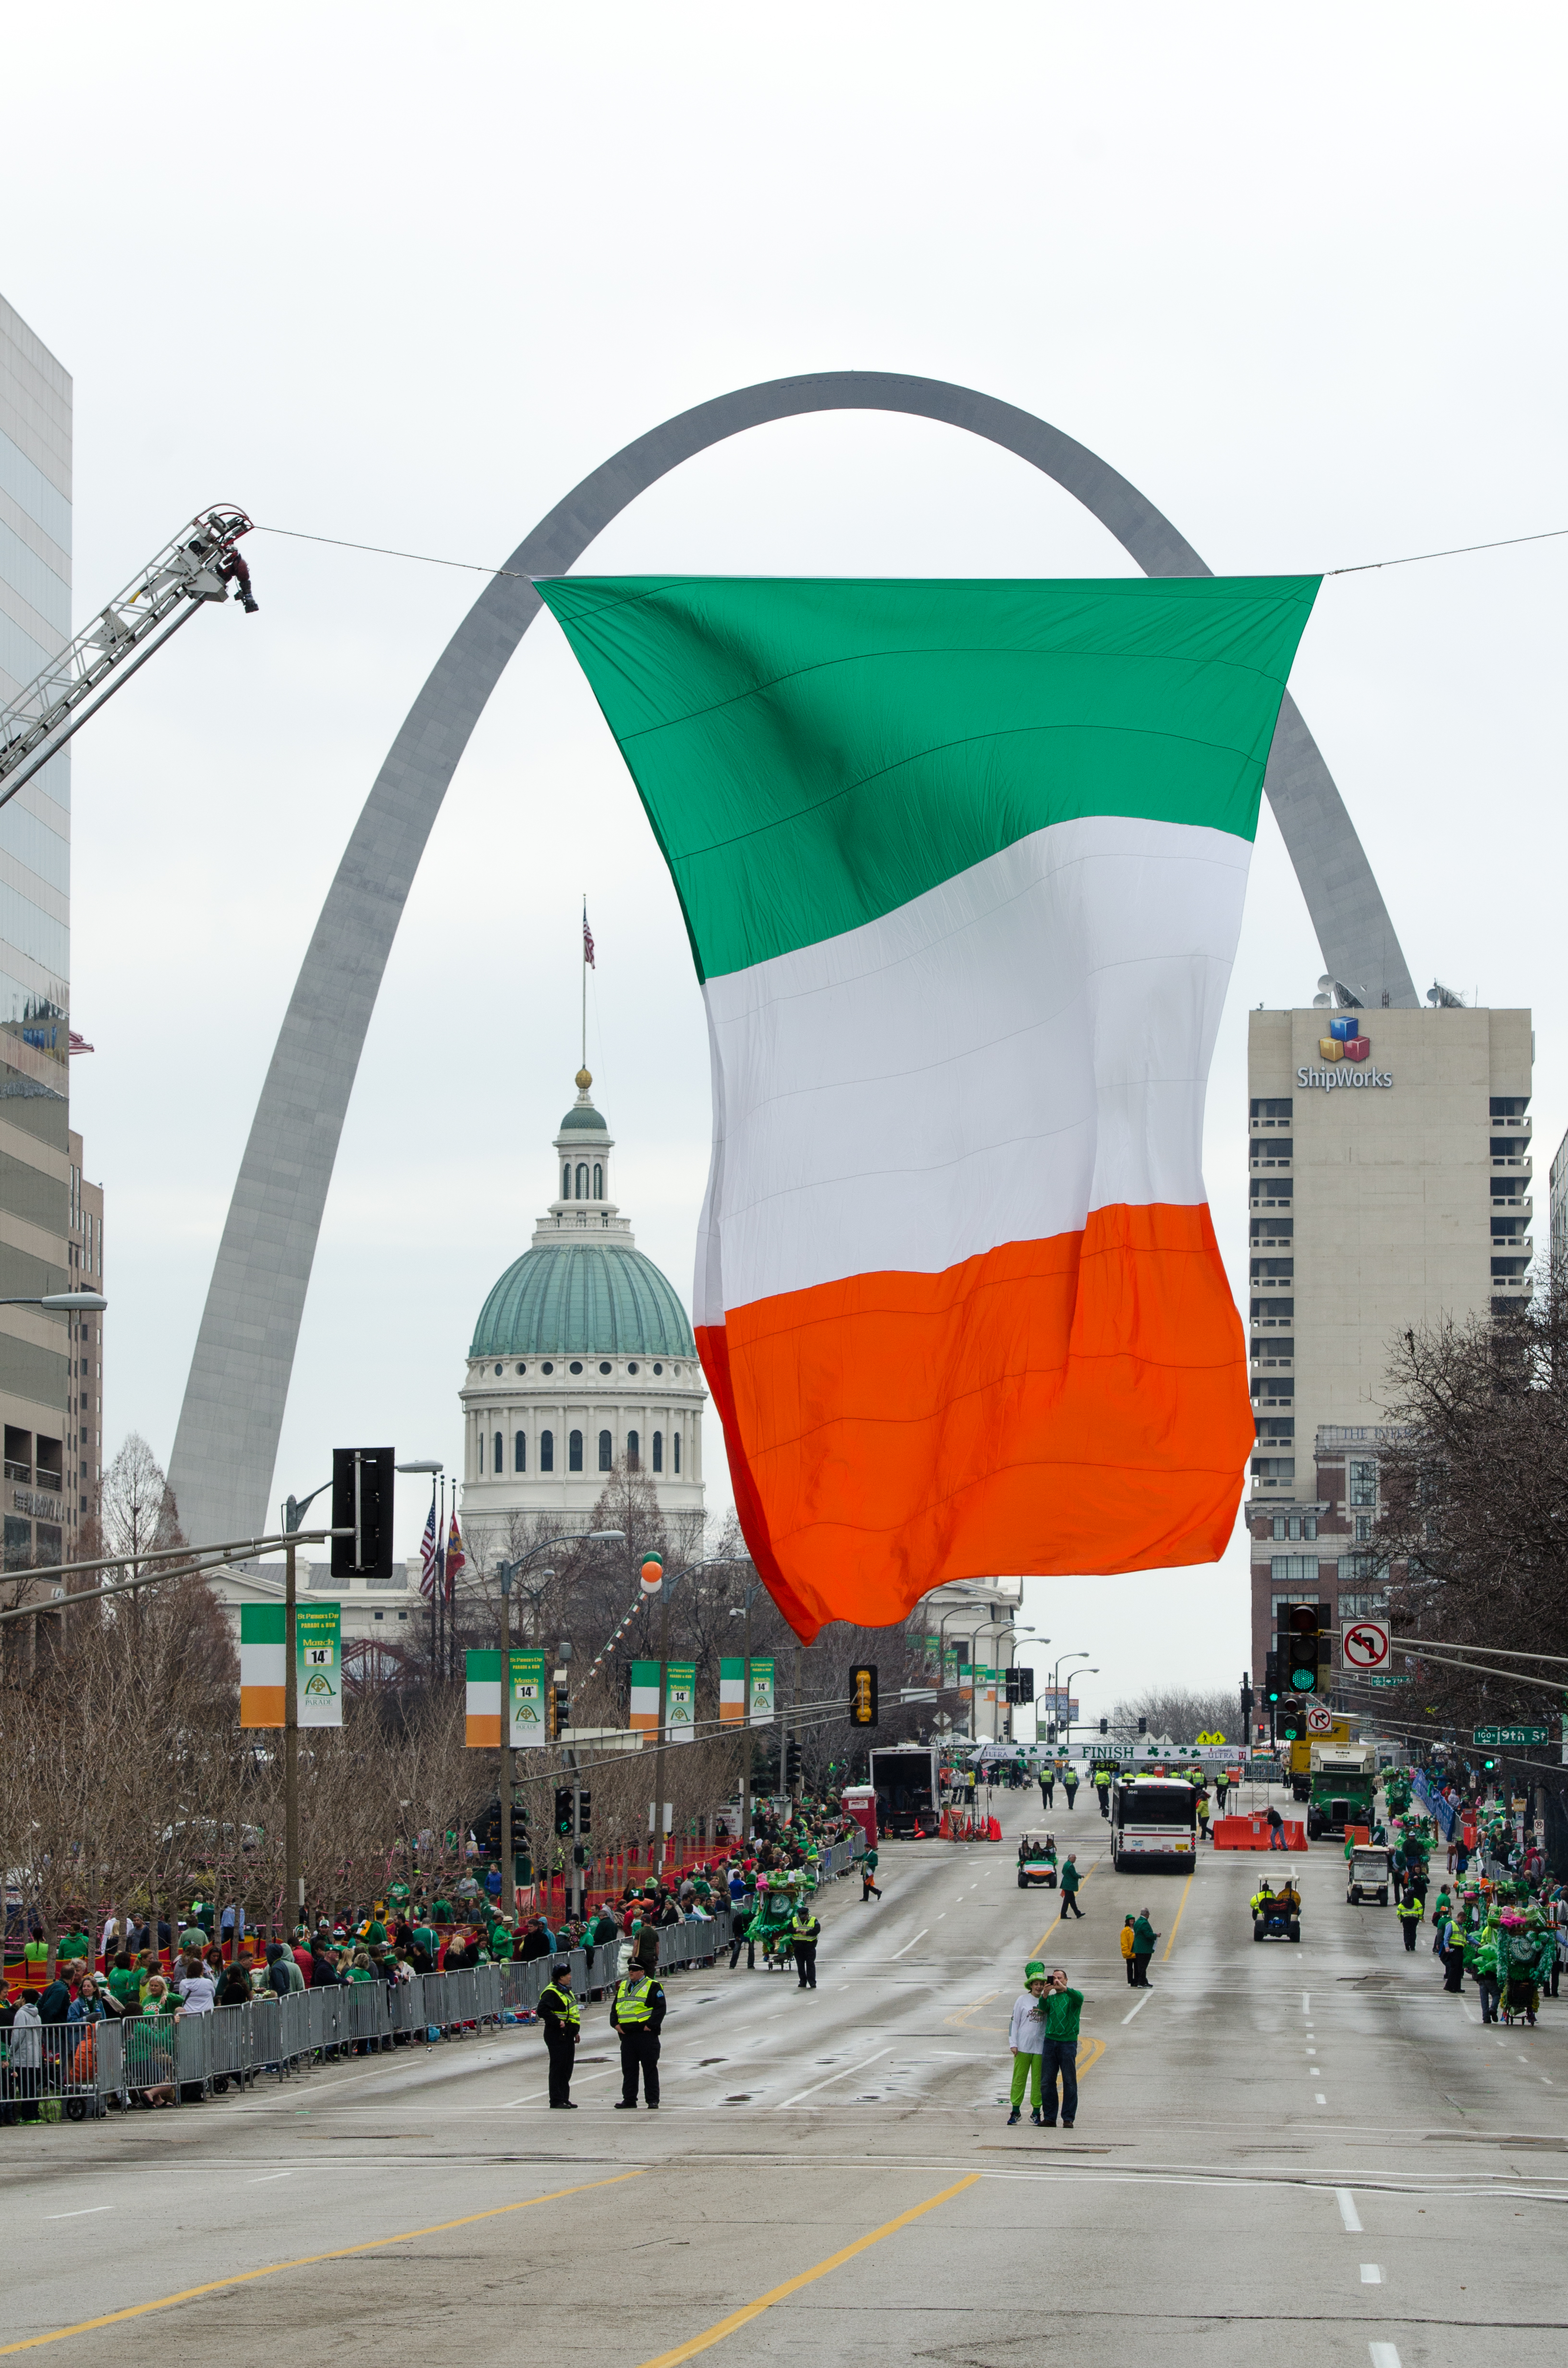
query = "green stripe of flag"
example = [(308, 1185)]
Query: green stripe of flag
[(814, 753), (262, 1623)]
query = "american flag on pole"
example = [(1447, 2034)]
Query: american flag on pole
[(429, 1557), (587, 938), (455, 1558)]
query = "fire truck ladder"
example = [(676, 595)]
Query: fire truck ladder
[(160, 598)]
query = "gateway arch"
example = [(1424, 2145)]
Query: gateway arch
[(226, 1445)]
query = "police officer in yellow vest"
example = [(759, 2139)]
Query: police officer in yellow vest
[(805, 1931), (636, 2012), (558, 2012)]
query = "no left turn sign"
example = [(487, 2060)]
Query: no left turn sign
[(1366, 1646)]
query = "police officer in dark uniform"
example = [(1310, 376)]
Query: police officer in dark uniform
[(558, 2013), (805, 1931), (636, 2012)]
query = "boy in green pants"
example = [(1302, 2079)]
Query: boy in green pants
[(1026, 2037)]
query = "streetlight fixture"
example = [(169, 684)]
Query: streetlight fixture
[(61, 1303)]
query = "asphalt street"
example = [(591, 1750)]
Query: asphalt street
[(1259, 2140)]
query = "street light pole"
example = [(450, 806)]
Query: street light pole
[(294, 1881), (508, 1863)]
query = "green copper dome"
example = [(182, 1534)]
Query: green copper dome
[(583, 1299), (582, 1114)]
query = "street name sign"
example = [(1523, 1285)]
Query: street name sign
[(1519, 1734)]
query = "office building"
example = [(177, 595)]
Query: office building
[(1389, 1186), (40, 1203)]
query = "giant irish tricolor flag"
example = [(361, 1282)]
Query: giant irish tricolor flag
[(962, 867)]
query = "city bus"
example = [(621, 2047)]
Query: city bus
[(1154, 1822)]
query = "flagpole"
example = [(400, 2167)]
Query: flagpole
[(585, 978)]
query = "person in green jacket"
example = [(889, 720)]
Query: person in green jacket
[(1069, 1881), (1060, 2053), (1143, 1938), (869, 1884)]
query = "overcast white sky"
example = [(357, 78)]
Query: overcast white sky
[(404, 275)]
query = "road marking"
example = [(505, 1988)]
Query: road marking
[(1138, 2008), (1384, 2355), (308, 2261), (1181, 1902), (85, 2214), (1306, 2001), (1319, 2098), (839, 2075), (742, 2317), (268, 2175), (908, 1945), (1348, 2210), (1370, 2274)]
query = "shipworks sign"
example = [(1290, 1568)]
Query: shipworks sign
[(1344, 1051)]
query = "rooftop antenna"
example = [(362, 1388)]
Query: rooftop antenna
[(1444, 998)]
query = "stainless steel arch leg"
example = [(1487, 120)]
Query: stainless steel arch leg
[(226, 1444)]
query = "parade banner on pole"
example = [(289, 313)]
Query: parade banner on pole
[(680, 1699), (261, 1664), (645, 1697), (481, 1706), (962, 867), (764, 1692), (732, 1692), (318, 1664), (528, 1723)]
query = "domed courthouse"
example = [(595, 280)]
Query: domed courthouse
[(582, 1358)]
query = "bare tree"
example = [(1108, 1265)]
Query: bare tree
[(1180, 1714)]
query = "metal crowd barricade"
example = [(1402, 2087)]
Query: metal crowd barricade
[(63, 2068), (1442, 1812)]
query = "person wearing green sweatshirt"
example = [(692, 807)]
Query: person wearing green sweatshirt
[(1058, 2053)]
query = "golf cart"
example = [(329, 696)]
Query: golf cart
[(1368, 1876), (1037, 1862), (1276, 1920)]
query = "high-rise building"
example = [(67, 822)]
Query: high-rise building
[(85, 1335), (1558, 1209), (582, 1362), (1389, 1186), (38, 1201)]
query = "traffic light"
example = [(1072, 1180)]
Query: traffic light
[(487, 1829), (1487, 1761), (1300, 1654), (792, 1764), (1272, 1688), (1105, 1727), (1142, 1726), (863, 1695), (585, 1812), (362, 1485), (560, 1708), (1290, 1720), (562, 1810), (1021, 1684)]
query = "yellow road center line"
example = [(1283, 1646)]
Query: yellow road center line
[(739, 2319), (1181, 1902), (306, 2261)]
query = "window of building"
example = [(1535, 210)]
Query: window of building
[(1293, 1570), (582, 1179), (674, 1448), (1361, 1570), (658, 1451), (1361, 1607), (520, 1451), (566, 1183), (1281, 1602), (1510, 1105), (19, 1453), (1276, 1109), (632, 1455), (599, 1181), (607, 1451), (546, 1451), (1295, 1525), (482, 1451), (1363, 1483), (574, 1451), (18, 1543), (1363, 1527), (1274, 1467), (604, 1369), (500, 1464)]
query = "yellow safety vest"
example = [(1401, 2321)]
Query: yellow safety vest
[(634, 2000), (569, 2011), (806, 1930)]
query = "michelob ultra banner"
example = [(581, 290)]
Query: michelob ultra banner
[(318, 1664), (482, 1706), (962, 867), (261, 1664), (764, 1694), (680, 1702)]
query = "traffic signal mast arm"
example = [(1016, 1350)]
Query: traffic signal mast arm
[(1446, 1660), (198, 565)]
